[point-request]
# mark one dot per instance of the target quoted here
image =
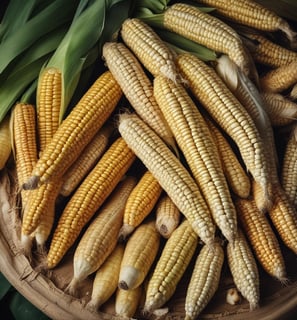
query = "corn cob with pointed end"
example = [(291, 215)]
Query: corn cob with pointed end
[(167, 216), (86, 161), (237, 178), (284, 218), (270, 53), (279, 79), (171, 174), (100, 238), (87, 199), (106, 278), (209, 31), (230, 115), (24, 143), (293, 93), (48, 103), (244, 269), (5, 141), (148, 47), (77, 130), (140, 203), (197, 145), (204, 280), (289, 168), (281, 110), (127, 302), (173, 262), (252, 14), (137, 87), (140, 252), (262, 238)]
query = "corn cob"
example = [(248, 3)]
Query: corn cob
[(229, 114), (207, 30), (270, 53), (127, 302), (5, 141), (281, 110), (148, 47), (289, 170), (204, 280), (284, 218), (48, 103), (293, 93), (106, 278), (136, 87), (171, 174), (237, 178), (167, 216), (279, 79), (24, 143), (140, 253), (175, 258), (100, 238), (86, 161), (77, 130), (244, 269), (140, 203), (252, 14), (197, 145), (262, 238), (91, 194)]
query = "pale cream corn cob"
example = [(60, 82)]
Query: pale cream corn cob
[(169, 171), (197, 145)]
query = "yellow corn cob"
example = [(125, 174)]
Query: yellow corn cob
[(86, 161), (293, 93), (289, 168), (171, 174), (90, 195), (204, 280), (281, 110), (230, 115), (167, 216), (77, 130), (127, 302), (148, 47), (100, 238), (175, 258), (106, 278), (237, 178), (207, 30), (252, 14), (262, 238), (140, 203), (279, 79), (48, 104), (24, 143), (244, 269), (140, 253), (197, 145), (270, 53), (284, 218), (5, 141), (137, 87)]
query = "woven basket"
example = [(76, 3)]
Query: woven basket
[(45, 289)]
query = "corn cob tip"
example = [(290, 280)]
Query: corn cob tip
[(233, 297), (291, 35), (32, 183), (26, 244), (123, 285), (125, 231), (128, 277)]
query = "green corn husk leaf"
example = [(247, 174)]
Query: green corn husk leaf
[(29, 95), (16, 8), (54, 15), (14, 86), (156, 6), (181, 45), (70, 56)]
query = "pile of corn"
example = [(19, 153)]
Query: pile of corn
[(169, 156)]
